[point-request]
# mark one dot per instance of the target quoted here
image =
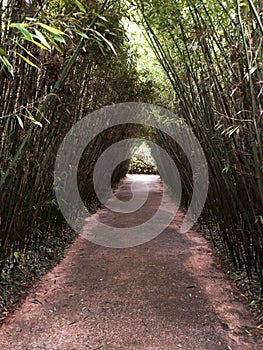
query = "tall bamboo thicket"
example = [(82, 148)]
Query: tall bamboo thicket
[(212, 54), (60, 60)]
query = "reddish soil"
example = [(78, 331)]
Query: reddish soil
[(166, 294)]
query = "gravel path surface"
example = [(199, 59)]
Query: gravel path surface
[(166, 294)]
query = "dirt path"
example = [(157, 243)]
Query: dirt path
[(166, 294)]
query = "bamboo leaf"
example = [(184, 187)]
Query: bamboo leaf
[(80, 6), (259, 218), (7, 64), (27, 60), (37, 123), (58, 38), (20, 121), (22, 28), (41, 38), (103, 18), (2, 52), (252, 70), (28, 52), (106, 41), (16, 255), (83, 35), (32, 118), (37, 44), (31, 19), (53, 43), (50, 29), (19, 26)]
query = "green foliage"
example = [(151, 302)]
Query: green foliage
[(139, 166), (148, 66), (30, 32), (142, 161)]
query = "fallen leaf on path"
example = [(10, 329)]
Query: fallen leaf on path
[(225, 326), (73, 322), (36, 301)]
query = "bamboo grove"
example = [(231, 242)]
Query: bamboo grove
[(60, 60), (212, 55)]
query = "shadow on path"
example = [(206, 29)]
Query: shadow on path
[(166, 294)]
